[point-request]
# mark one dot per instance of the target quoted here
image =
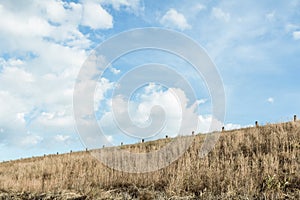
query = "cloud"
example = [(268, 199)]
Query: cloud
[(30, 140), (219, 14), (270, 16), (291, 27), (270, 100), (11, 110), (110, 138), (96, 17), (42, 50), (114, 70), (199, 7), (55, 11), (18, 25), (296, 35), (204, 123), (54, 120), (9, 75), (102, 87), (133, 6), (231, 126), (139, 111), (14, 62), (61, 138), (175, 105), (201, 101), (174, 19), (51, 21), (57, 20)]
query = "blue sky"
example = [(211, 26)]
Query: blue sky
[(255, 46)]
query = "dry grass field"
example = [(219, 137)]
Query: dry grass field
[(251, 163)]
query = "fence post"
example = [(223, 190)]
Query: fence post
[(256, 123), (295, 118), (121, 143), (143, 140), (223, 128), (193, 132)]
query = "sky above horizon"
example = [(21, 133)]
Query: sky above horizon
[(255, 46)]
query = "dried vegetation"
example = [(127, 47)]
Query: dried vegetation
[(254, 163)]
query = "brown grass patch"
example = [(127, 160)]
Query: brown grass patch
[(254, 163)]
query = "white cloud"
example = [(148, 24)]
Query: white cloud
[(55, 11), (101, 88), (48, 116), (291, 27), (31, 26), (204, 123), (20, 117), (54, 120), (296, 35), (219, 14), (96, 17), (11, 108), (114, 70), (15, 62), (139, 113), (231, 126), (201, 101), (174, 104), (168, 100), (199, 7), (270, 100), (9, 74), (129, 5), (45, 51), (270, 16), (174, 19), (30, 140), (61, 138), (110, 138)]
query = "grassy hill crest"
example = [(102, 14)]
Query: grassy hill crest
[(256, 162)]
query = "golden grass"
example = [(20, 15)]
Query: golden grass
[(262, 162)]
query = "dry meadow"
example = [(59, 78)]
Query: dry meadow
[(250, 163)]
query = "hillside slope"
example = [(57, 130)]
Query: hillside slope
[(256, 163)]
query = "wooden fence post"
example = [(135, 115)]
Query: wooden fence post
[(295, 118), (256, 123)]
